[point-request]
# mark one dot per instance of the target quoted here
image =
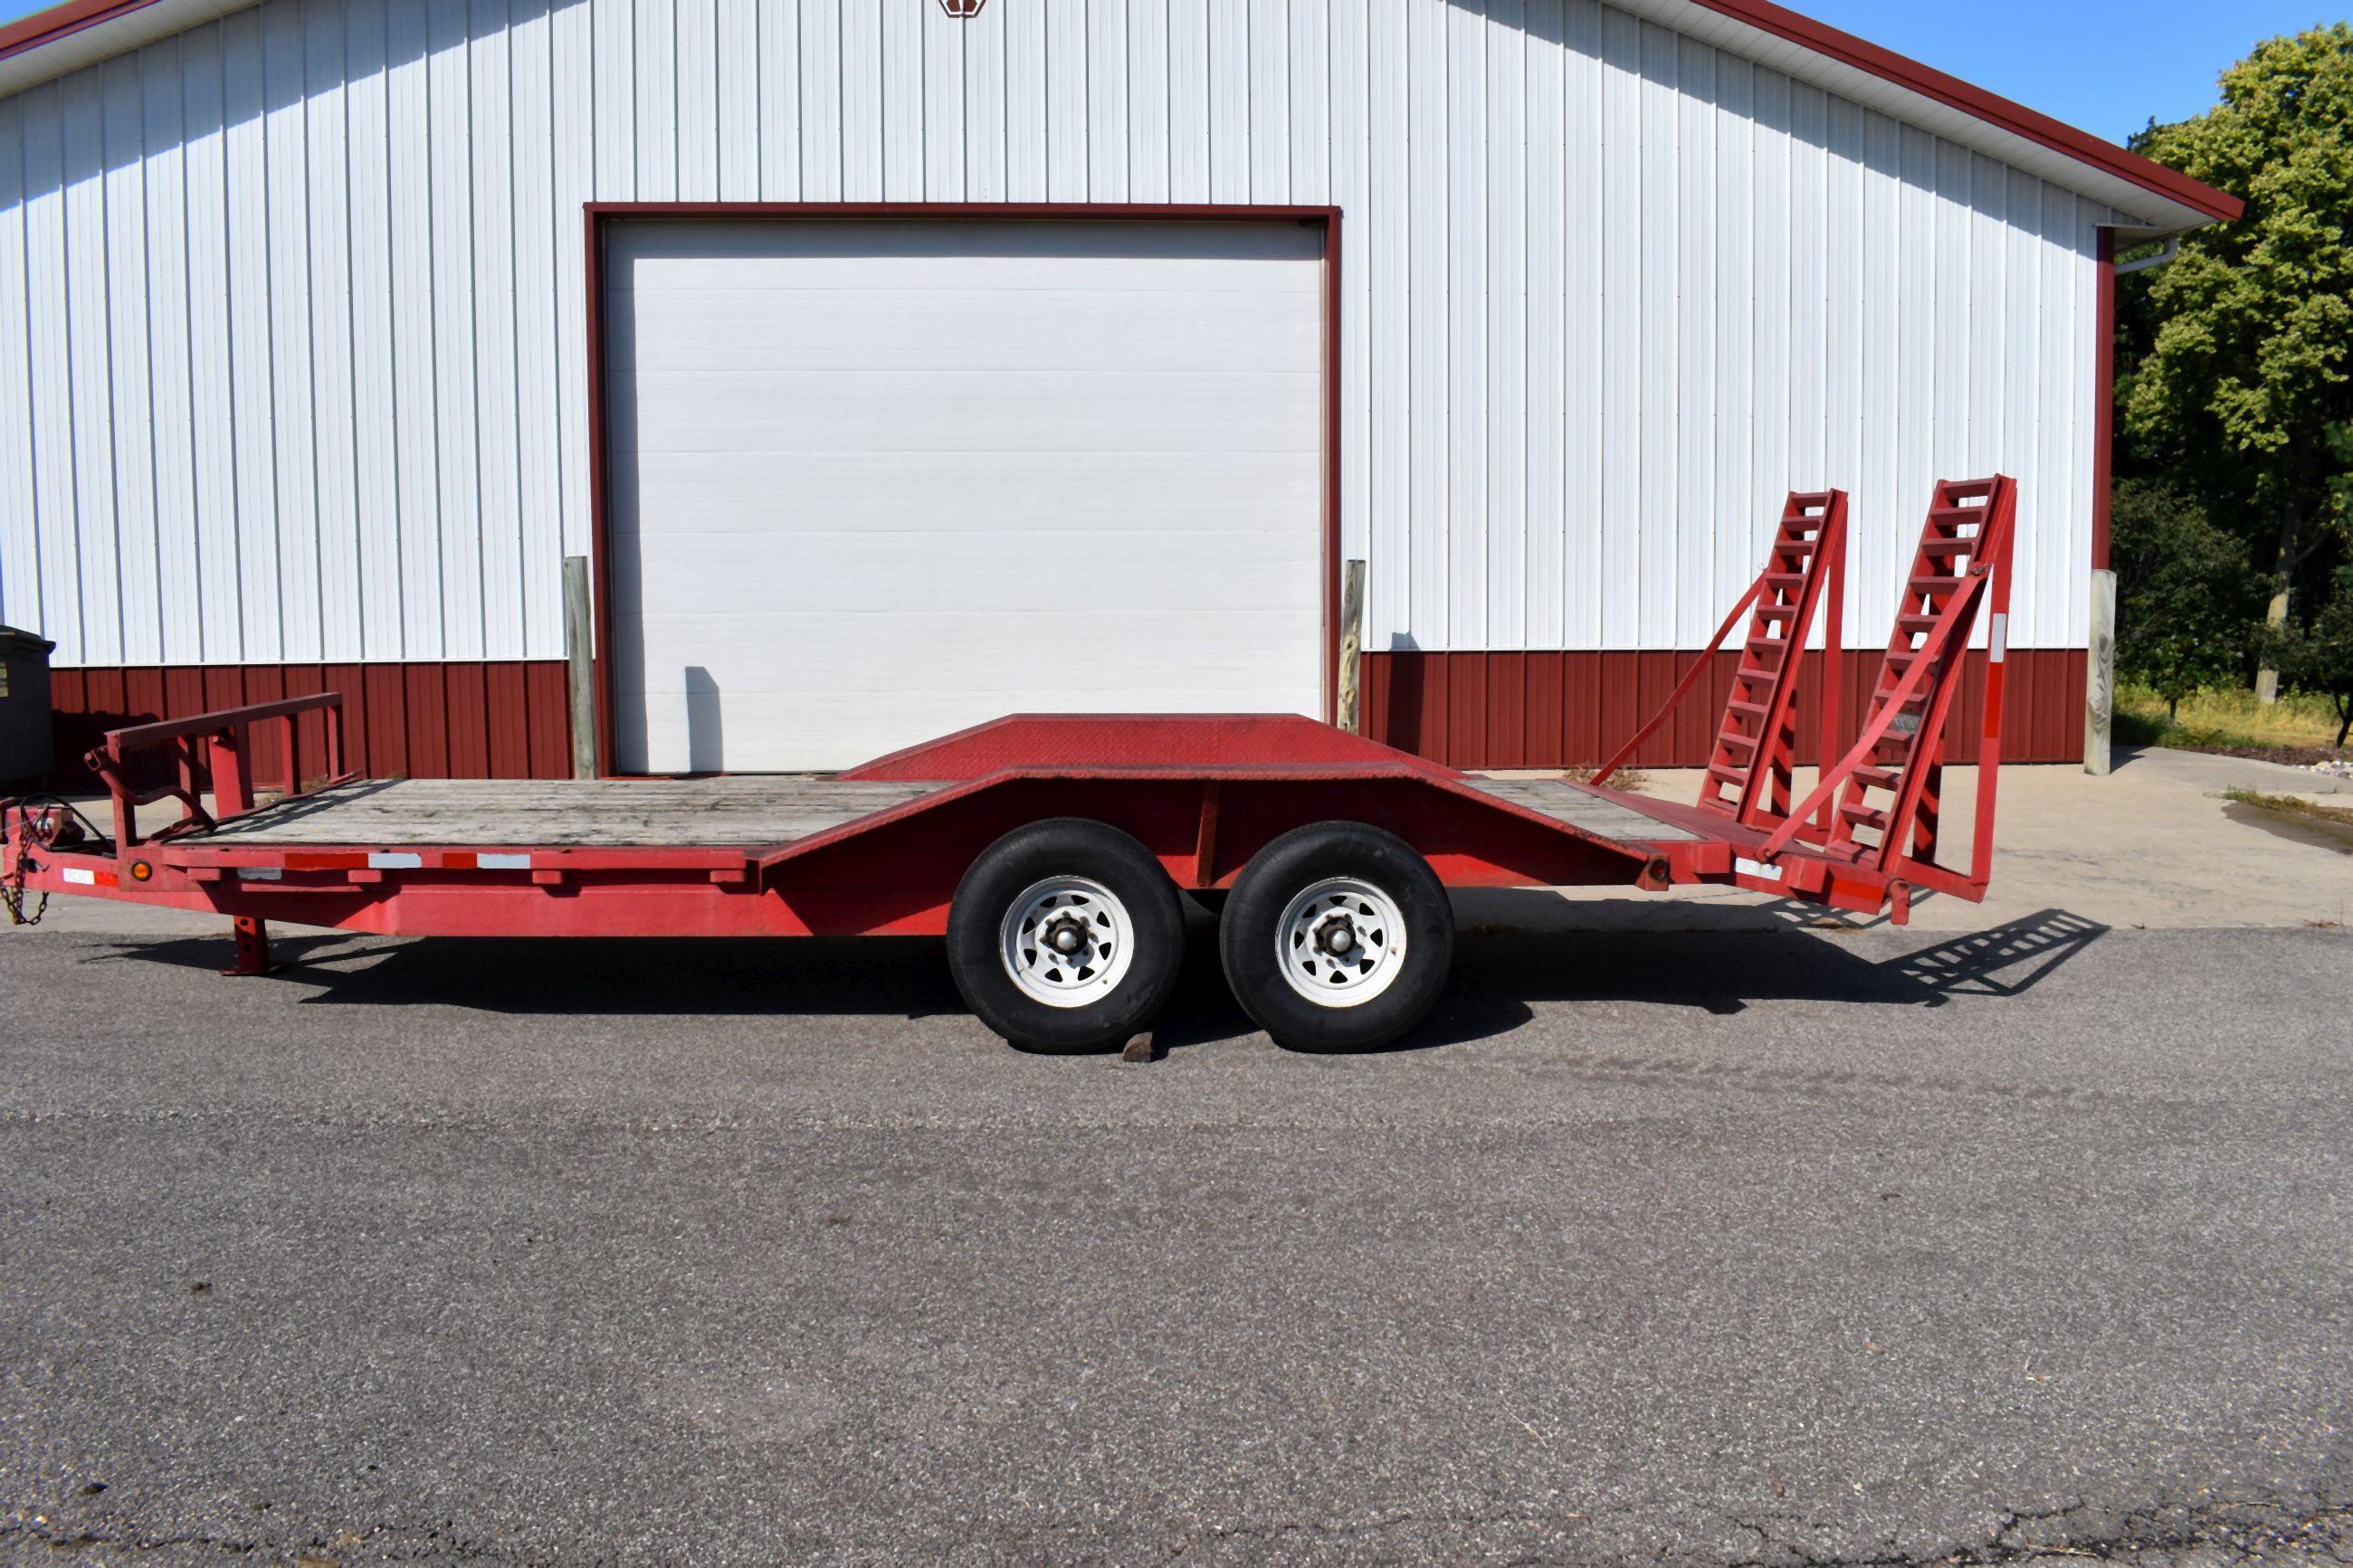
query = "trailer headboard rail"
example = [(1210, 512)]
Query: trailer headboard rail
[(213, 750)]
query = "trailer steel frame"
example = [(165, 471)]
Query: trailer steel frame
[(1202, 794)]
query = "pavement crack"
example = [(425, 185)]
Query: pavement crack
[(1349, 1529), (82, 1539), (2238, 1529)]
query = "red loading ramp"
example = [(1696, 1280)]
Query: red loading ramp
[(1748, 774), (1867, 836), (1747, 777), (1890, 787), (1961, 570)]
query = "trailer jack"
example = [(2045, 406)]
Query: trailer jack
[(253, 958)]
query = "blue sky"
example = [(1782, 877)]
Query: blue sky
[(2107, 65), (2104, 65)]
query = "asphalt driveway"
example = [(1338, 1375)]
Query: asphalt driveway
[(1709, 1247)]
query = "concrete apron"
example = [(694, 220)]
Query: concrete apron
[(2153, 846)]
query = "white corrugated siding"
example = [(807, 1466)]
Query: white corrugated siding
[(292, 331)]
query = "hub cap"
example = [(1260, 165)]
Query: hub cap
[(1066, 942), (1341, 942)]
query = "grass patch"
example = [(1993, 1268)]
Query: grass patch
[(1633, 781), (2229, 722)]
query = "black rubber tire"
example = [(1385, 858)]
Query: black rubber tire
[(1211, 902), (1300, 859), (1065, 846)]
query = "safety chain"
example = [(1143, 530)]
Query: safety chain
[(12, 886)]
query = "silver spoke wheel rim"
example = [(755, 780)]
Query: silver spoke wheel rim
[(1066, 942), (1340, 942)]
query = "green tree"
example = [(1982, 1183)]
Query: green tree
[(2243, 387), (2185, 592), (2318, 657)]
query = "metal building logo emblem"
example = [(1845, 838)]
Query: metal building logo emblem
[(963, 10)]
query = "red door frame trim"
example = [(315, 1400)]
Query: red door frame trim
[(595, 214)]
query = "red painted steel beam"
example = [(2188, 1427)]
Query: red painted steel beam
[(138, 737)]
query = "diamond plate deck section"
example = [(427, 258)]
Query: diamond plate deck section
[(1586, 813)]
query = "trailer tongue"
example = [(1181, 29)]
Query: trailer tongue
[(1051, 850)]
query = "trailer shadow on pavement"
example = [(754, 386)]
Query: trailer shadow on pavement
[(1497, 973), (1502, 974)]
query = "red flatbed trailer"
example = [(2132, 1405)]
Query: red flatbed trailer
[(1050, 849)]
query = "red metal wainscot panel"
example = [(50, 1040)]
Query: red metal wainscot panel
[(1546, 708), (1507, 709), (1538, 710), (548, 735), (462, 720), (427, 694), (469, 721), (1557, 710)]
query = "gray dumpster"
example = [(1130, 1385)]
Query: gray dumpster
[(25, 747)]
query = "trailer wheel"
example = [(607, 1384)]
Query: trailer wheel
[(1338, 938), (1066, 936)]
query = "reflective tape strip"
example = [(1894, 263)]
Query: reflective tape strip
[(1998, 638), (1761, 870), (503, 862), (396, 862), (82, 878), (259, 874)]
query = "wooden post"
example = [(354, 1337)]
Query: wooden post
[(2100, 683), (1352, 647), (579, 646)]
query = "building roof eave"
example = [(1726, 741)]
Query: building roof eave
[(2162, 199), (2148, 196)]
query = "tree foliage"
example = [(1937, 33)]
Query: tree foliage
[(2184, 593), (2243, 384), (2318, 656)]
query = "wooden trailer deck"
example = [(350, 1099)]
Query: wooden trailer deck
[(748, 811)]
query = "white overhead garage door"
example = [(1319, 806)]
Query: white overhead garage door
[(871, 482)]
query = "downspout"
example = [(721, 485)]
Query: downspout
[(2165, 258)]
